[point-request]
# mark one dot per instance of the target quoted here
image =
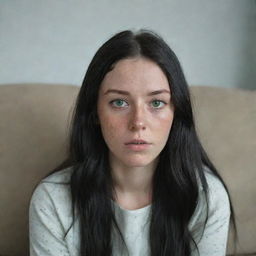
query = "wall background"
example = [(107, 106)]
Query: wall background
[(53, 41)]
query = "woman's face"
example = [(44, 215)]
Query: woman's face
[(134, 103)]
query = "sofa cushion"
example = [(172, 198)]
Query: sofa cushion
[(33, 132), (226, 124)]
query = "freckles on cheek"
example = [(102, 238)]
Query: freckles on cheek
[(109, 126)]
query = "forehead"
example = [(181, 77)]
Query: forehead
[(135, 73)]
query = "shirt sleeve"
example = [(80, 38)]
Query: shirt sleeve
[(46, 232), (213, 240)]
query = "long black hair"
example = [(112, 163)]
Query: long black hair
[(181, 162)]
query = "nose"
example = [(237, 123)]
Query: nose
[(137, 120)]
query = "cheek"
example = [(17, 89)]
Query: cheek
[(163, 128), (111, 126), (165, 120)]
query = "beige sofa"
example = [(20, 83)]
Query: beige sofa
[(33, 132)]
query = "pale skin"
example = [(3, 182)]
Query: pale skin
[(134, 103)]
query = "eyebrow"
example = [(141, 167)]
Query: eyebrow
[(127, 93)]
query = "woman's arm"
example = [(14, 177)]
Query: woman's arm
[(45, 229), (213, 240)]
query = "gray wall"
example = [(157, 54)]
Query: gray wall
[(53, 41)]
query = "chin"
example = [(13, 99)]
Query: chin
[(131, 160), (137, 162)]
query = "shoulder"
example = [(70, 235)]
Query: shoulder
[(216, 188), (57, 182), (217, 194), (51, 215), (62, 176), (218, 202), (53, 192)]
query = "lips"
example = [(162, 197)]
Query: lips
[(137, 142)]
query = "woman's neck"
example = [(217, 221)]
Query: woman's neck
[(133, 185)]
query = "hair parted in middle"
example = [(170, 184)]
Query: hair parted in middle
[(180, 169)]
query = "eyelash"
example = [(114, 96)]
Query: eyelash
[(112, 103)]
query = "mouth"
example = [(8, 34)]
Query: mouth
[(138, 145), (137, 142)]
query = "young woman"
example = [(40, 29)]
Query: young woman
[(137, 181)]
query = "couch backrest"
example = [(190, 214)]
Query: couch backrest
[(33, 130), (33, 140), (226, 124)]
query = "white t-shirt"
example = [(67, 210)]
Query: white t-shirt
[(50, 216)]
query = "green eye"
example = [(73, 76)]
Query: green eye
[(157, 103), (118, 103)]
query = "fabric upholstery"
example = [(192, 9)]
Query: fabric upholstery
[(226, 122), (33, 140), (33, 129)]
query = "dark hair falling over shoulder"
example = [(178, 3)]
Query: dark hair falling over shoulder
[(182, 160)]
